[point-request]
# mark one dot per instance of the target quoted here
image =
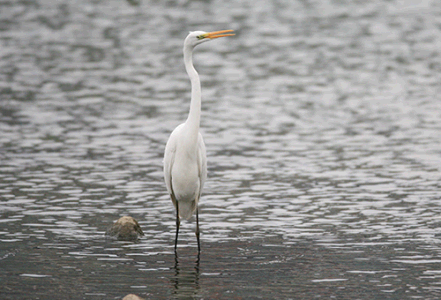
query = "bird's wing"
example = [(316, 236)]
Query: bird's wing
[(169, 158), (202, 162)]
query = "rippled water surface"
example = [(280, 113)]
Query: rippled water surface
[(322, 126)]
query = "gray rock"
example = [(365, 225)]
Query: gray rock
[(125, 229), (132, 297)]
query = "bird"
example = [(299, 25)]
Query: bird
[(185, 158)]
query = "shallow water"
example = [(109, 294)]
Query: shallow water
[(321, 121)]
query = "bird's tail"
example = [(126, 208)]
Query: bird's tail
[(186, 209)]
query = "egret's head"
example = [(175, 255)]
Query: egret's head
[(198, 37)]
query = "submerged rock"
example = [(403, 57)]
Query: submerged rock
[(125, 229), (132, 297)]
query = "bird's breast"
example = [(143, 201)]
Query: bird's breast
[(185, 178)]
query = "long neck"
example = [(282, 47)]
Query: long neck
[(194, 115)]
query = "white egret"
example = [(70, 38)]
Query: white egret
[(185, 160)]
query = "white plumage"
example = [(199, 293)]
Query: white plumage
[(185, 169), (185, 159)]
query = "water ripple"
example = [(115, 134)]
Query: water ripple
[(320, 119)]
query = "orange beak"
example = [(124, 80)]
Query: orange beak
[(218, 34)]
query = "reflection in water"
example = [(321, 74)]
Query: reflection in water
[(186, 278)]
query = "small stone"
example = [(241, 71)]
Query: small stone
[(132, 297), (125, 229)]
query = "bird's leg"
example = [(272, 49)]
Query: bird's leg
[(197, 231), (178, 223)]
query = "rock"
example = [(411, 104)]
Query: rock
[(132, 297), (125, 229)]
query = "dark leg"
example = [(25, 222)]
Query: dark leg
[(197, 230), (178, 223)]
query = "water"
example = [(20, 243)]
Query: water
[(321, 120)]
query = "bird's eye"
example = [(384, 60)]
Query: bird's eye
[(200, 37)]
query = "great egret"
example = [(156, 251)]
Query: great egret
[(185, 160)]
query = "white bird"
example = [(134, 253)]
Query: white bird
[(185, 159)]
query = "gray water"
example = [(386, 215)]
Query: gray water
[(322, 126)]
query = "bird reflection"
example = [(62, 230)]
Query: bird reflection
[(186, 279)]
